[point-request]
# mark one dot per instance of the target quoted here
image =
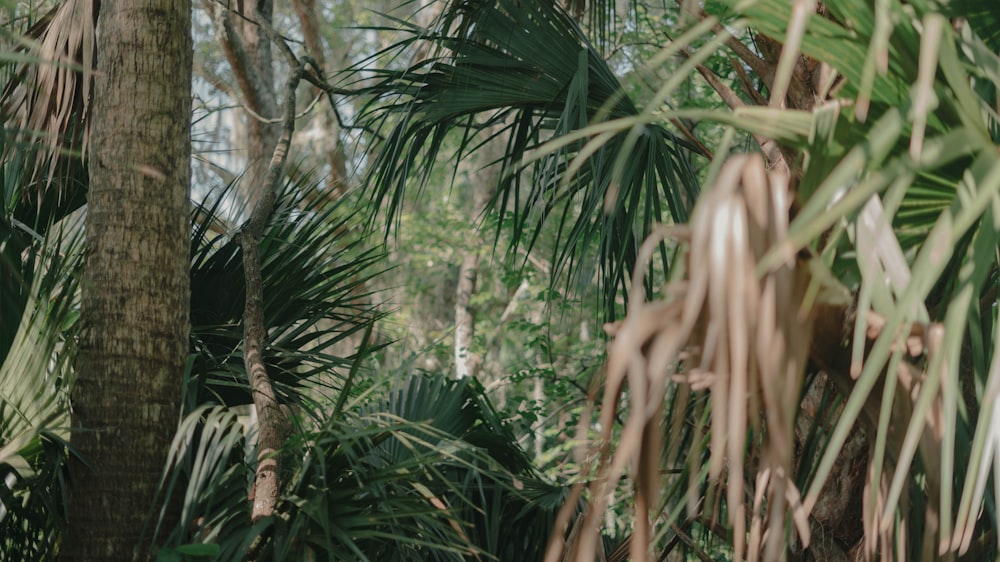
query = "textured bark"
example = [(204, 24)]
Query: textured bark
[(272, 421), (136, 293), (270, 418), (263, 134)]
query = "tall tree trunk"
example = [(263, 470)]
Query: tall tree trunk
[(468, 363), (248, 52), (329, 135), (136, 292)]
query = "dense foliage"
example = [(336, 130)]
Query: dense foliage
[(802, 364)]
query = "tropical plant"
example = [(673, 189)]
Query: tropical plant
[(426, 473), (40, 257), (369, 465), (314, 273), (836, 296), (484, 61), (805, 364)]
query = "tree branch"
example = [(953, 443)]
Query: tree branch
[(272, 420), (799, 92), (772, 151), (239, 60)]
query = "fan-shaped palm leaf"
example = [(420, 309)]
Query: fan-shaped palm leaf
[(38, 283), (405, 480), (897, 203), (46, 105), (936, 173), (488, 62), (314, 272)]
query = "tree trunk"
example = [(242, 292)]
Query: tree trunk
[(263, 136), (465, 320), (329, 135), (249, 55), (135, 293), (468, 363)]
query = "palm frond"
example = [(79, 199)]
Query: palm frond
[(982, 16), (747, 343), (315, 273), (900, 200), (487, 63), (46, 105), (206, 468), (38, 314), (897, 203), (389, 483)]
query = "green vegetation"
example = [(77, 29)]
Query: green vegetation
[(547, 281)]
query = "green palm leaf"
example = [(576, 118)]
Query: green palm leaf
[(315, 273), (390, 483), (983, 16), (924, 152), (489, 64), (40, 259)]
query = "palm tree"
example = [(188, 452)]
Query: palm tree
[(40, 257), (135, 290), (825, 348), (806, 368)]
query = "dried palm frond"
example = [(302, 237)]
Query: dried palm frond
[(47, 101), (741, 334)]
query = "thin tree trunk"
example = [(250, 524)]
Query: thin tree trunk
[(136, 292), (249, 57), (247, 47), (465, 321), (272, 421), (466, 362), (329, 142)]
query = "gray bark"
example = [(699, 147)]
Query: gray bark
[(466, 362)]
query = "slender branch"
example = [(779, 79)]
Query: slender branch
[(747, 83), (799, 91), (311, 73), (689, 134), (239, 60), (298, 116), (219, 84), (770, 148), (755, 62), (272, 420)]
